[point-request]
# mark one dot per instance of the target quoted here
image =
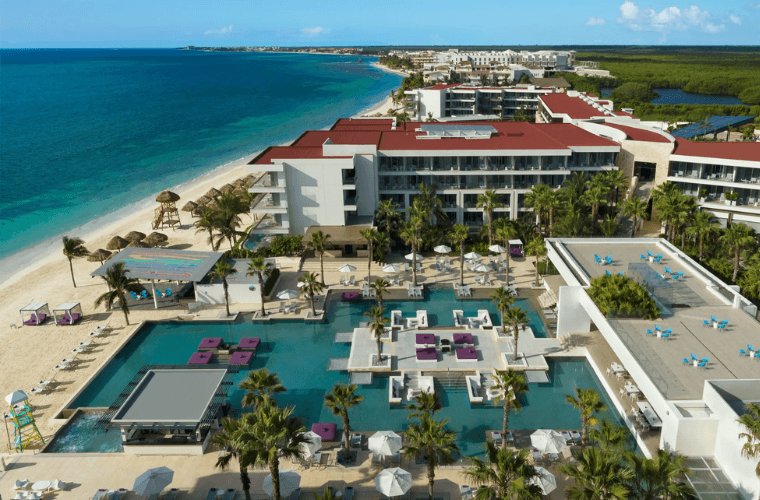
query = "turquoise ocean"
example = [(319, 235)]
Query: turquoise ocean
[(87, 134)]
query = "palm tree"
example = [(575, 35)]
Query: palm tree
[(119, 284), (751, 423), (260, 387), (737, 238), (597, 475), (575, 187), (503, 301), (370, 235), (594, 197), (551, 202), (538, 200), (505, 232), (231, 440), (426, 404), (427, 205), (488, 201), (509, 472), (377, 326), (458, 235), (259, 267), (309, 287), (615, 180), (73, 248), (206, 223), (702, 226), (665, 198), (221, 270), (318, 243), (380, 286), (609, 436), (516, 318), (658, 477), (327, 493), (588, 403), (403, 118), (510, 386), (683, 217), (387, 211), (609, 227), (430, 438), (537, 248), (410, 233), (339, 401), (636, 209)]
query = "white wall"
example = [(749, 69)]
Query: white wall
[(688, 435), (367, 197), (239, 294), (432, 101), (572, 317)]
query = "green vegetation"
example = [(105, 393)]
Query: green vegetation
[(750, 95), (396, 62), (620, 297), (688, 112), (588, 84), (633, 92), (271, 280)]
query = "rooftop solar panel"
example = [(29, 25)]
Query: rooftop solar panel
[(711, 125)]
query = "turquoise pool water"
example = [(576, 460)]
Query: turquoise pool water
[(253, 240), (287, 348), (80, 435)]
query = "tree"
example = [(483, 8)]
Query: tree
[(260, 268), (231, 439), (426, 404), (221, 270), (507, 471), (370, 236), (503, 300), (636, 209), (750, 421), (658, 477), (615, 181), (387, 211), (488, 201), (594, 197), (597, 475), (505, 232), (749, 281), (516, 318), (702, 226), (410, 233), (458, 235), (318, 243), (609, 226), (431, 439), (588, 403), (666, 198), (403, 118), (73, 248), (377, 327), (119, 284), (609, 436), (510, 386), (736, 239), (340, 400), (380, 286), (309, 287), (538, 198), (206, 223), (260, 387), (537, 248)]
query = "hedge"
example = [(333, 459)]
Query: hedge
[(271, 281)]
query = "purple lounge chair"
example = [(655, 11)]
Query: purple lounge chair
[(325, 430), (424, 338), (427, 354), (462, 338), (249, 343), (200, 358), (241, 358), (210, 344), (33, 320), (350, 296), (467, 354)]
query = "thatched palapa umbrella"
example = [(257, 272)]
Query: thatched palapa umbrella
[(203, 200), (213, 193), (189, 206), (240, 192), (117, 243), (227, 188), (241, 183), (167, 197), (212, 204), (99, 255), (137, 244), (156, 239), (198, 211), (135, 236)]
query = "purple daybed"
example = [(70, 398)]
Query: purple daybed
[(463, 338), (467, 354), (325, 431), (515, 252), (33, 320), (69, 320), (200, 358), (210, 343), (424, 338), (241, 358), (427, 354), (249, 343), (350, 296)]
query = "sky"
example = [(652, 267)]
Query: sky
[(177, 23)]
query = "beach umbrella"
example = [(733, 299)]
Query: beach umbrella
[(288, 294), (289, 482), (189, 206), (16, 397), (213, 193), (393, 482), (391, 268), (212, 204), (227, 188), (99, 255), (203, 200), (313, 445), (198, 211), (497, 249), (346, 268), (117, 243), (548, 441), (240, 192), (482, 268), (167, 197), (411, 256), (472, 256), (135, 236), (152, 481), (138, 244), (442, 249), (384, 443), (241, 183), (155, 238), (545, 480)]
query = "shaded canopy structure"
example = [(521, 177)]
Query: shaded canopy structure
[(189, 206), (67, 313), (38, 312), (135, 236), (227, 188), (155, 239), (241, 183), (213, 193), (137, 244), (203, 200), (99, 255), (117, 243), (167, 214)]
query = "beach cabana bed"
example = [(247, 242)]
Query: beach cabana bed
[(515, 248), (38, 312), (67, 313)]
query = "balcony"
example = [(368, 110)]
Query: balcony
[(268, 186)]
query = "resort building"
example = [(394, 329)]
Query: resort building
[(690, 373), (551, 59)]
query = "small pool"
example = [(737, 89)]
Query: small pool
[(79, 435), (253, 240)]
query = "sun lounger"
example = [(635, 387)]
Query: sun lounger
[(118, 494), (154, 496), (21, 484), (348, 493), (100, 494), (20, 495), (231, 492), (551, 316), (172, 494), (496, 435), (352, 281), (576, 436), (291, 309)]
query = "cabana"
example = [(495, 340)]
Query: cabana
[(515, 248), (67, 313), (38, 312)]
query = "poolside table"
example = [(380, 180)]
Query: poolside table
[(424, 339), (617, 368), (41, 485), (427, 354), (249, 343), (462, 338), (200, 358), (241, 358), (649, 414), (467, 354), (631, 389), (210, 343)]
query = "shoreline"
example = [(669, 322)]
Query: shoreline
[(382, 67)]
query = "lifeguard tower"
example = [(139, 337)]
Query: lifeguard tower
[(25, 430), (167, 214)]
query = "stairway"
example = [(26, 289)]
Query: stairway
[(452, 382)]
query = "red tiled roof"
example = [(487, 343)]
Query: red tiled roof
[(290, 153), (442, 86), (623, 113), (315, 138), (574, 107), (746, 151), (637, 134)]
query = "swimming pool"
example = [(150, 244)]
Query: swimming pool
[(308, 382), (253, 240)]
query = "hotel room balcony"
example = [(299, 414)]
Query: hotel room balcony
[(269, 184)]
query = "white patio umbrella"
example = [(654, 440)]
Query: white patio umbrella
[(384, 443), (152, 481), (346, 268), (16, 397), (410, 256), (393, 482), (314, 444), (442, 249), (289, 482), (482, 268), (545, 480), (472, 256), (288, 294), (548, 441), (497, 249), (391, 268)]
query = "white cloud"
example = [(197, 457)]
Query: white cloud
[(668, 19), (319, 30), (221, 31), (595, 21), (735, 19)]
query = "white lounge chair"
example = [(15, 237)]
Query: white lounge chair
[(365, 290), (282, 308), (410, 290), (21, 484), (58, 485), (20, 495), (352, 281)]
